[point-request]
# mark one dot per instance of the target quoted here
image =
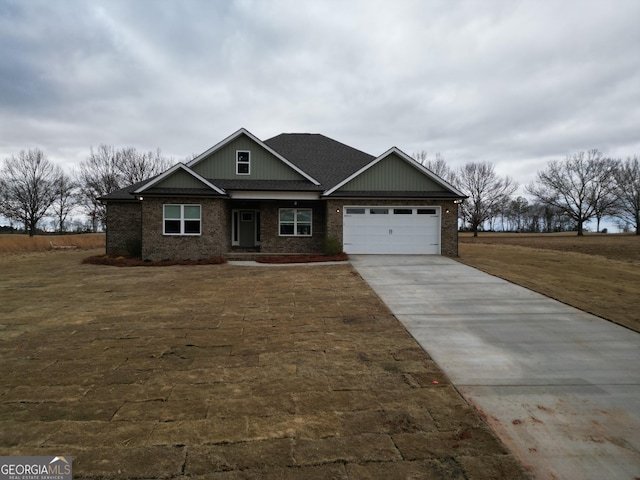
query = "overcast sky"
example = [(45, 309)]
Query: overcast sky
[(509, 82)]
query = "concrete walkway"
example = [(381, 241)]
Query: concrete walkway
[(561, 388)]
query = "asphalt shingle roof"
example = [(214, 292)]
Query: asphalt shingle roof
[(325, 159), (125, 193)]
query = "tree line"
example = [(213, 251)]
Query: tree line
[(32, 187), (567, 193)]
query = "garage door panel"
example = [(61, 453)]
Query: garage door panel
[(399, 230)]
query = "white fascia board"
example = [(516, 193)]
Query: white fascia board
[(417, 165), (414, 163), (272, 195), (244, 131), (218, 146), (171, 171)]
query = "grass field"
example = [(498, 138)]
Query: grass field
[(596, 273), (224, 371), (599, 274), (11, 243)]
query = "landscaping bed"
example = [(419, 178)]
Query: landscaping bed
[(123, 261), (311, 258)]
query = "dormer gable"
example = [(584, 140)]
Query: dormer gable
[(242, 156)]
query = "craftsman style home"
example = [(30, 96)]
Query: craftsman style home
[(286, 195)]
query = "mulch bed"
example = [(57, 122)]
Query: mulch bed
[(124, 261), (121, 261), (342, 257)]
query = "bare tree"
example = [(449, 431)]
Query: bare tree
[(65, 199), (136, 167), (98, 176), (421, 157), (605, 204), (486, 191), (627, 177), (438, 165), (579, 187), (535, 214), (518, 210), (28, 187), (108, 169)]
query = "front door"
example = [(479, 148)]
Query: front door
[(246, 228)]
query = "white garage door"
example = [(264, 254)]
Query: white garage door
[(400, 230)]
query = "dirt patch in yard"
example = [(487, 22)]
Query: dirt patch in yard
[(599, 274), (221, 371)]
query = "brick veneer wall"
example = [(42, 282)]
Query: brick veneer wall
[(215, 234), (123, 225), (272, 242), (448, 225)]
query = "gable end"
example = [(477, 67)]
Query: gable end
[(395, 173), (391, 174), (264, 163)]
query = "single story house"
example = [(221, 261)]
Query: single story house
[(286, 195)]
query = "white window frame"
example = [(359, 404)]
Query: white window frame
[(182, 220), (247, 163), (295, 223)]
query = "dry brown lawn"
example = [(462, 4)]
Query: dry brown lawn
[(599, 274), (12, 243), (225, 372)]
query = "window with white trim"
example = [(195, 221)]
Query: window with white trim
[(295, 222), (243, 162), (181, 219)]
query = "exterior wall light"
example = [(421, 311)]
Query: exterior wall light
[(337, 210), (140, 198), (446, 211)]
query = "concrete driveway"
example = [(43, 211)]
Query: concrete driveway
[(560, 387)]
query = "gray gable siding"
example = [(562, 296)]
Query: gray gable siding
[(392, 174), (180, 179), (221, 164)]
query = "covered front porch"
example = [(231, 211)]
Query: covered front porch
[(277, 226)]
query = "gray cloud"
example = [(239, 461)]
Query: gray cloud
[(515, 83)]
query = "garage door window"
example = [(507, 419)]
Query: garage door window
[(355, 211), (426, 211), (402, 211), (379, 211), (295, 222)]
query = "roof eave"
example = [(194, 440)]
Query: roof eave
[(170, 172)]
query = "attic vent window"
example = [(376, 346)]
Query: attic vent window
[(243, 162)]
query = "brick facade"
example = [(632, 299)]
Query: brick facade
[(124, 226), (214, 239), (272, 242), (143, 221), (448, 225)]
